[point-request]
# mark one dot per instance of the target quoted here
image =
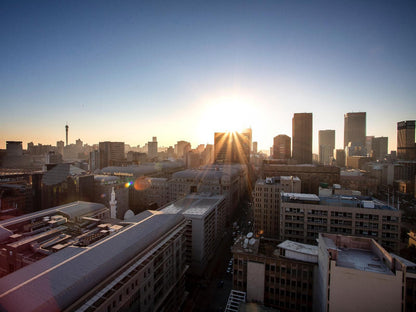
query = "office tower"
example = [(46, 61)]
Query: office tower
[(302, 138), (281, 147), (152, 148), (379, 148), (406, 148), (14, 149), (355, 129), (111, 153), (232, 147), (266, 198), (340, 157), (346, 215), (326, 146)]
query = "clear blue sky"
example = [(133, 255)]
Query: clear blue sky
[(127, 71)]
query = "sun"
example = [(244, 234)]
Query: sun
[(225, 114)]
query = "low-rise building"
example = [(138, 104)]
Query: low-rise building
[(276, 275), (139, 264), (357, 274)]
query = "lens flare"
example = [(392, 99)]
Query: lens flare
[(141, 184)]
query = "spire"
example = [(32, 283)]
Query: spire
[(113, 204)]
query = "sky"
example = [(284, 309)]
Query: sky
[(182, 70)]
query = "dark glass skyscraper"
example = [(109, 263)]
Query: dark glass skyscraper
[(302, 138)]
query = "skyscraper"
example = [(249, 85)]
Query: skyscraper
[(379, 147), (232, 147), (302, 138), (326, 146), (281, 147), (355, 129), (406, 148)]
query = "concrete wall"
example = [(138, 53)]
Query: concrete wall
[(255, 281), (356, 290)]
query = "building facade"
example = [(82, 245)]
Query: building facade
[(111, 153), (266, 202), (406, 147), (207, 216), (310, 175), (304, 216), (278, 276)]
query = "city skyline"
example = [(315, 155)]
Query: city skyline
[(184, 71)]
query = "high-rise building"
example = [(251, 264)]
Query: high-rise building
[(302, 138), (379, 147), (406, 147), (281, 147), (355, 129), (254, 147), (182, 148), (111, 153), (152, 148), (326, 146), (232, 147)]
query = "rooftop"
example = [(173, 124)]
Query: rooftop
[(73, 270), (363, 260), (193, 205), (299, 247), (337, 200)]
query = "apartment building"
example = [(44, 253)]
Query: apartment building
[(266, 203), (303, 216)]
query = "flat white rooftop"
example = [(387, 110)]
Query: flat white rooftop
[(299, 247), (193, 205), (363, 260), (301, 196)]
